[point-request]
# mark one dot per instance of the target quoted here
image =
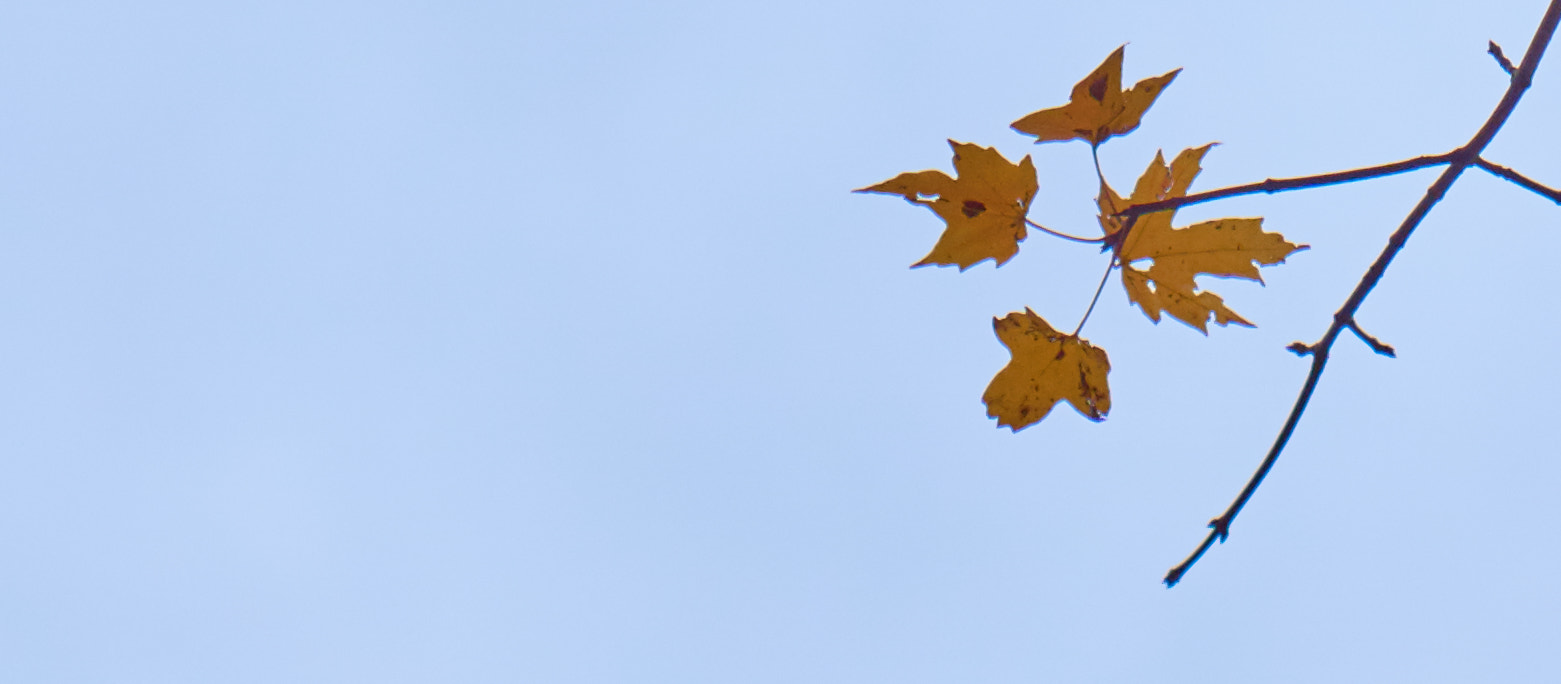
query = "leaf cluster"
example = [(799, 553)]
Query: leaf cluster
[(986, 211), (986, 207)]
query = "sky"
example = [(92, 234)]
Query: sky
[(545, 342)]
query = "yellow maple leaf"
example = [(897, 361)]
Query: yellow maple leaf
[(1047, 367), (984, 207), (1230, 247), (1098, 107)]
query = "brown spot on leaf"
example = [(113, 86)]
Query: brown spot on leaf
[(973, 208), (1097, 88)]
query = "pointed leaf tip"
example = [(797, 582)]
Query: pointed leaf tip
[(1098, 107)]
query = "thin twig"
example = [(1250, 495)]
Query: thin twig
[(1501, 59), (1459, 160), (1274, 185), (1376, 345), (1065, 236), (1550, 193)]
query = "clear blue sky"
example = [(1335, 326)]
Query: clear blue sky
[(544, 342)]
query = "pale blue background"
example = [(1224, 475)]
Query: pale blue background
[(487, 342)]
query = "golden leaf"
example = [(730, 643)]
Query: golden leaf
[(1231, 247), (984, 208), (1098, 107), (1047, 367)]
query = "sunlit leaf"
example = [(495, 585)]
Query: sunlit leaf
[(1160, 263), (1098, 107), (984, 207), (1047, 367)]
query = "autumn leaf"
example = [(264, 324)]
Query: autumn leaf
[(1160, 263), (984, 207), (1047, 367), (1098, 107)]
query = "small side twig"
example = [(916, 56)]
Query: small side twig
[(1527, 183), (1506, 64), (1458, 161), (1274, 185), (1375, 344)]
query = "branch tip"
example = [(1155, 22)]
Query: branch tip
[(1501, 59), (1376, 345), (1521, 180), (1300, 348)]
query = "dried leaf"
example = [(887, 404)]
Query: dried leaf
[(984, 207), (1047, 367), (1098, 107), (1231, 247)]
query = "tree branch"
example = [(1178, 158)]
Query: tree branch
[(1552, 194), (1274, 185), (1460, 159)]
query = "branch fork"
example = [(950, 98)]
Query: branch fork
[(1457, 161)]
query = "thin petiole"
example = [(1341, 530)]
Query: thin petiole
[(1095, 155), (1064, 236), (1103, 277), (1075, 238)]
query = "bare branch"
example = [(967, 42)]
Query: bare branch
[(1274, 185), (1461, 159), (1552, 194)]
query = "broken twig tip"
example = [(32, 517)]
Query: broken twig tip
[(1300, 348), (1506, 64), (1376, 345), (1221, 527)]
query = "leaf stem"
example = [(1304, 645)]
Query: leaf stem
[(1552, 194), (1103, 278), (1094, 154), (1273, 185), (1457, 161), (1064, 236)]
